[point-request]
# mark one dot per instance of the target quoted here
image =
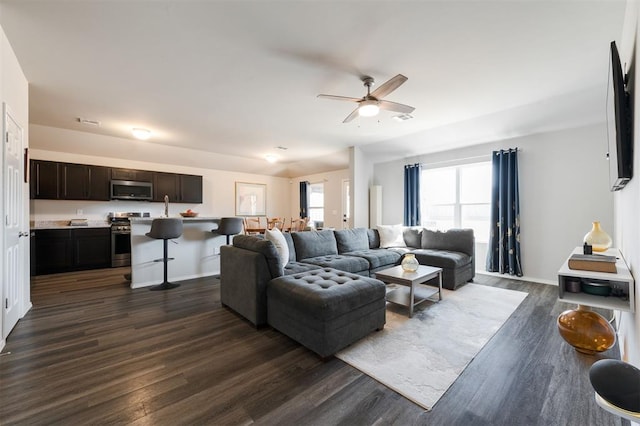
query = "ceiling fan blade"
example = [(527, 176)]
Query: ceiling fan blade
[(389, 86), (393, 106), (340, 98), (352, 115)]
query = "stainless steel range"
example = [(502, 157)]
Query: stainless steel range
[(121, 237)]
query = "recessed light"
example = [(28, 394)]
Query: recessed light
[(142, 134), (271, 158)]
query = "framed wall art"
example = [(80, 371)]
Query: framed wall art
[(251, 199)]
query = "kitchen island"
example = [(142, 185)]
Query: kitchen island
[(195, 255)]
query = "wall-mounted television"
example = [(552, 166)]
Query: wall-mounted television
[(619, 125)]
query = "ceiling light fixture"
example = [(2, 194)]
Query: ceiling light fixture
[(368, 108), (271, 158), (142, 134)]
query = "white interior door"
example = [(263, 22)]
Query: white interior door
[(14, 244)]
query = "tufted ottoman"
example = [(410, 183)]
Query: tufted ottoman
[(326, 309)]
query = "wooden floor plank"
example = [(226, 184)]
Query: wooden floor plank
[(94, 351)]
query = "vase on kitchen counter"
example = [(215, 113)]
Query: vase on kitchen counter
[(597, 238)]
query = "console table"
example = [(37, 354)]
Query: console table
[(621, 281)]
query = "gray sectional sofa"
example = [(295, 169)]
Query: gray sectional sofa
[(324, 267)]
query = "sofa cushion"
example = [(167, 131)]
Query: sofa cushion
[(352, 239), (412, 237), (314, 243), (292, 247), (277, 239), (325, 294), (461, 240), (352, 264), (442, 258), (294, 267), (377, 257), (264, 247), (374, 238), (390, 236)]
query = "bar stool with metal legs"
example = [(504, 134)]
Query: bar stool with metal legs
[(165, 228), (229, 226)]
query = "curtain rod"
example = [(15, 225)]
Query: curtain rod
[(486, 157)]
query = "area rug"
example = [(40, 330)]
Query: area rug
[(421, 357)]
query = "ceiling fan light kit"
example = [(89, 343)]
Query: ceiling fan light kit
[(368, 108), (370, 104)]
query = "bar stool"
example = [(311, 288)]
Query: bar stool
[(617, 387), (165, 229), (229, 226)]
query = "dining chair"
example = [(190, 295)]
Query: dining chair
[(252, 225), (275, 222), (298, 224)]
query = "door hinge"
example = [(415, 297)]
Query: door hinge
[(6, 303)]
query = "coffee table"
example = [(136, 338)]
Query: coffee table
[(411, 294)]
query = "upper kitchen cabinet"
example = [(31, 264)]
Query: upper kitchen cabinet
[(191, 189), (179, 188), (51, 180), (83, 182), (131, 174), (44, 180), (166, 184)]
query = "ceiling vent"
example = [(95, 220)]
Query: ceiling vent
[(87, 122), (402, 117)]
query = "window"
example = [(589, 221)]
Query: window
[(316, 203), (457, 197)]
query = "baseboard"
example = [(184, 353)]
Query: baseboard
[(514, 277)]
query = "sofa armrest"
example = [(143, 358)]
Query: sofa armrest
[(244, 275)]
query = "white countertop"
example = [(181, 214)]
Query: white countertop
[(184, 219), (64, 224)]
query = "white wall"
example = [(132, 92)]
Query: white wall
[(361, 176), (218, 185), (332, 195), (627, 201), (563, 187), (14, 92)]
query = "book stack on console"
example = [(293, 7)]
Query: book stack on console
[(593, 262)]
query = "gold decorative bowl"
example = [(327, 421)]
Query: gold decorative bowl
[(188, 214)]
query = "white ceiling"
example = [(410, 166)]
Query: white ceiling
[(240, 78)]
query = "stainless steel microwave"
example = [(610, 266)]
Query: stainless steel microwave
[(131, 190)]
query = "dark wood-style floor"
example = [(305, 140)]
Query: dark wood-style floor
[(93, 351)]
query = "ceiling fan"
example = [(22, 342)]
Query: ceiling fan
[(370, 104)]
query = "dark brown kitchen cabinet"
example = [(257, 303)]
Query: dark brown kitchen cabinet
[(179, 188), (54, 250), (83, 182), (191, 189), (53, 180), (44, 179), (91, 248), (132, 174), (66, 181), (99, 188), (166, 184), (64, 250)]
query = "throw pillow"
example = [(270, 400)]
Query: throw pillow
[(391, 236), (275, 236), (412, 237)]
